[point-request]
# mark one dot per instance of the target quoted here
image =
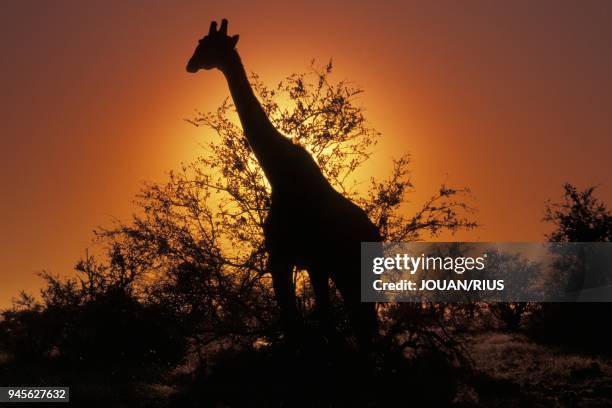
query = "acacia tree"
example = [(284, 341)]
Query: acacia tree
[(580, 217), (200, 233)]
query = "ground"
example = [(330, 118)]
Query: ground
[(524, 373)]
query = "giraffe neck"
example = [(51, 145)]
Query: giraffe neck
[(267, 143)]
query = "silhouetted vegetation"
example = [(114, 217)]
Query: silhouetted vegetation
[(92, 331), (181, 303), (579, 217)]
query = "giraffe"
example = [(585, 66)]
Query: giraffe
[(309, 225)]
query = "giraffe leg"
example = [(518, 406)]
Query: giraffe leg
[(284, 292), (363, 315), (320, 285)]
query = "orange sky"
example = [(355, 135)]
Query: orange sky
[(509, 98)]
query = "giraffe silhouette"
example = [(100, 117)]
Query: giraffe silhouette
[(309, 225)]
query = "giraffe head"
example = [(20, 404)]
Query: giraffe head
[(214, 49)]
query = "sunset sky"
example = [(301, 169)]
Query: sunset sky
[(509, 98)]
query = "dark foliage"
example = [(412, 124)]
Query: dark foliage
[(579, 217), (182, 298)]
